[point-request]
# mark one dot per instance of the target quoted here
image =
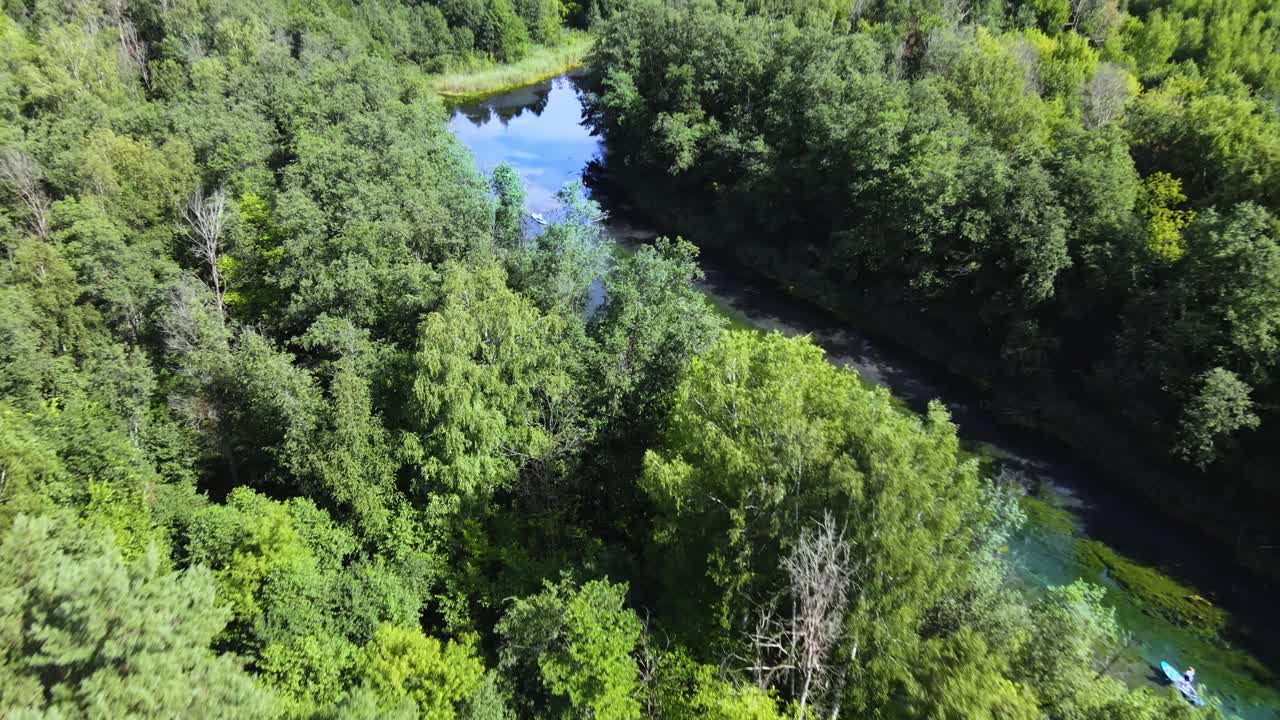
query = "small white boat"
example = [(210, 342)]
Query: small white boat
[(537, 217)]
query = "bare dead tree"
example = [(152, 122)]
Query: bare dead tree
[(957, 11), (649, 666), (198, 343), (1079, 10), (1106, 95), (819, 569), (205, 216), (796, 650), (180, 324), (133, 50), (766, 641), (1028, 56), (1093, 18), (857, 10), (20, 173)]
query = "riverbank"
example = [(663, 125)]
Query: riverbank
[(1081, 525), (473, 82), (1058, 413), (1171, 589)]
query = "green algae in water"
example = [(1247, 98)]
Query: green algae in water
[(1046, 517), (1156, 592)]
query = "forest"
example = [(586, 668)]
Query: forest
[(1071, 202), (299, 420)]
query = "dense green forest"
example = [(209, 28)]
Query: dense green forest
[(1071, 201), (297, 421)]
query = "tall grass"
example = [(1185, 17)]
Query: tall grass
[(487, 78)]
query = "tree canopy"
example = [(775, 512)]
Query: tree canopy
[(300, 419)]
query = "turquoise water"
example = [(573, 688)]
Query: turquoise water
[(538, 130)]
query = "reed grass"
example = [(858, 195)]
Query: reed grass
[(482, 78)]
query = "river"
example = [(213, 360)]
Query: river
[(538, 130)]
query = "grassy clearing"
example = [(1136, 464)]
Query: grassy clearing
[(474, 81)]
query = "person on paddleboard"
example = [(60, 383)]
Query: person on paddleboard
[(1191, 676)]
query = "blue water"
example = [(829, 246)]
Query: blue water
[(537, 130)]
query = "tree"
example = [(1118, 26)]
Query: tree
[(566, 257), (277, 566), (796, 636), (1108, 93), (1219, 408), (402, 662), (679, 688), (1073, 633), (84, 633), (508, 221), (959, 677), (21, 175), (501, 33), (204, 216), (491, 386), (568, 651), (985, 82), (764, 436), (1161, 192), (652, 322), (354, 462)]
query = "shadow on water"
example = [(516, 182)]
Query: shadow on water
[(538, 130)]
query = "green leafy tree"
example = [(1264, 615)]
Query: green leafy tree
[(1219, 408), (488, 366), (985, 82), (680, 688), (568, 651), (86, 634), (1161, 192), (567, 256), (1073, 635), (959, 676), (508, 221), (502, 33), (764, 437), (402, 662), (652, 322)]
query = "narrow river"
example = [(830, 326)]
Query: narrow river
[(537, 129)]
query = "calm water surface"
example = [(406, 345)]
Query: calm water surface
[(538, 130)]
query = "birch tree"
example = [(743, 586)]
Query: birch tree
[(20, 173), (205, 215)]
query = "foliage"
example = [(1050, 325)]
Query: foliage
[(1220, 408), (764, 434), (86, 634), (402, 662), (1040, 187), (508, 221), (578, 641), (296, 420), (1164, 224), (958, 677), (489, 372)]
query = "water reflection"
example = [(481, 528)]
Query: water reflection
[(532, 99), (537, 129)]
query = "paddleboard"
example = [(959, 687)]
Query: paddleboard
[(1180, 682)]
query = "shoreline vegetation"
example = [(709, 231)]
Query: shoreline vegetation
[(283, 370), (1081, 239), (476, 80), (1053, 417)]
